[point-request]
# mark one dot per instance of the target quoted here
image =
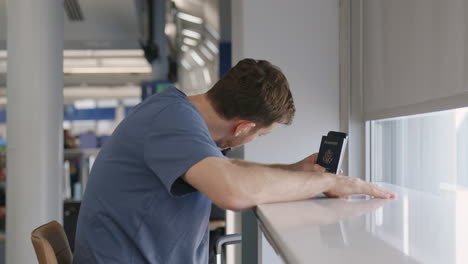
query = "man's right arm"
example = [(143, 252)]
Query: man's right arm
[(236, 185)]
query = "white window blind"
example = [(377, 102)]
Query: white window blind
[(414, 56)]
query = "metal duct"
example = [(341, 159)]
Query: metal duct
[(73, 10)]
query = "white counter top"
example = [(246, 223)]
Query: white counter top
[(415, 227)]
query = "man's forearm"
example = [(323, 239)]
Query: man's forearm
[(238, 185), (258, 183), (243, 163)]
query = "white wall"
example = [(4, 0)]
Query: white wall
[(301, 37)]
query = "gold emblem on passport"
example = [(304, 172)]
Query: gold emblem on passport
[(328, 157)]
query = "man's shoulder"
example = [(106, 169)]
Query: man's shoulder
[(174, 105), (171, 102), (179, 109), (170, 94)]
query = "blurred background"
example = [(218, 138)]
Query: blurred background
[(116, 54)]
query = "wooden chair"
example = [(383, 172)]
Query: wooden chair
[(51, 244)]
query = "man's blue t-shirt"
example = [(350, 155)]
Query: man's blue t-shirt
[(137, 208)]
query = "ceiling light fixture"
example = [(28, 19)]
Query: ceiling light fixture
[(102, 70), (104, 53), (191, 33), (206, 53), (212, 46), (197, 58), (186, 64), (207, 76), (212, 32), (189, 18), (190, 42)]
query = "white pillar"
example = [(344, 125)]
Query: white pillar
[(34, 121), (119, 113)]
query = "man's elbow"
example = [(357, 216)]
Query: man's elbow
[(230, 195), (235, 202)]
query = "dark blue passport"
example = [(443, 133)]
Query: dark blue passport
[(332, 150)]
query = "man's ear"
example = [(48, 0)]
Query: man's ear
[(243, 127)]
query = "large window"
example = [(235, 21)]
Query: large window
[(427, 152)]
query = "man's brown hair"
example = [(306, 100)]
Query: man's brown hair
[(254, 90)]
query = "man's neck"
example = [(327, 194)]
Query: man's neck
[(217, 126)]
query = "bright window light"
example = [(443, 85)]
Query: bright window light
[(197, 58), (461, 114), (189, 18), (190, 42), (404, 150), (191, 33)]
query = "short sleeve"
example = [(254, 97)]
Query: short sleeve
[(177, 139)]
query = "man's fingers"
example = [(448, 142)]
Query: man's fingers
[(314, 158), (378, 192), (392, 194), (319, 168)]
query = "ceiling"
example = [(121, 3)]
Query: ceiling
[(107, 24), (110, 24)]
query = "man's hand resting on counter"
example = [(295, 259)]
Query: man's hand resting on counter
[(344, 185)]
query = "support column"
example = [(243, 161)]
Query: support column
[(119, 113), (161, 65), (34, 121)]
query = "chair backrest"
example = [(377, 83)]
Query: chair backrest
[(51, 244)]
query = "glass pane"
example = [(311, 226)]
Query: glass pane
[(427, 152)]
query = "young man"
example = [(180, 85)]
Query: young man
[(149, 194)]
